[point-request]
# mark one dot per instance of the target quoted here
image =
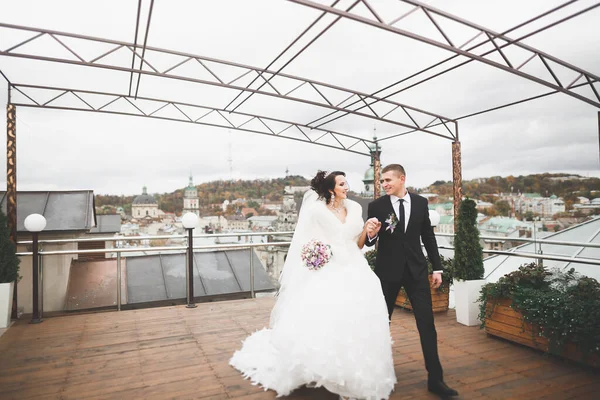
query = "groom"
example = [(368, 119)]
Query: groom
[(403, 222)]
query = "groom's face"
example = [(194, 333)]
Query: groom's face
[(393, 183)]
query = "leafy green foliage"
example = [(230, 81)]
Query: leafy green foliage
[(468, 254), (564, 305), (9, 262), (371, 255)]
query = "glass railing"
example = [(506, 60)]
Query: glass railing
[(115, 277)]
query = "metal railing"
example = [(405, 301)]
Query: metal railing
[(40, 253), (229, 246)]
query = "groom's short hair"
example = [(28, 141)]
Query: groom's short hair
[(394, 167)]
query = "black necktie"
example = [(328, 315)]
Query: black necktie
[(401, 215)]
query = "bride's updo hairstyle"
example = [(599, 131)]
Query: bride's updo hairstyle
[(323, 183)]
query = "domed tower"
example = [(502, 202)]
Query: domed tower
[(191, 202), (369, 177), (368, 181), (144, 206)]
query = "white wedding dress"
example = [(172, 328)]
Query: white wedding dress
[(328, 327)]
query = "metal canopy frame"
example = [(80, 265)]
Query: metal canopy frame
[(495, 49), (354, 102)]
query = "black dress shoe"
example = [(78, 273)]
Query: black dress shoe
[(441, 389)]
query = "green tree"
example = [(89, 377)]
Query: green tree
[(468, 254), (9, 262), (502, 207)]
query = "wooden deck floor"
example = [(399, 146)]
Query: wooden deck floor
[(175, 352)]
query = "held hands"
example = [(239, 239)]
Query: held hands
[(372, 226), (436, 280)]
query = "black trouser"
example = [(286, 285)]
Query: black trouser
[(419, 294)]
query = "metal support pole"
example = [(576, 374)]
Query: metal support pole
[(376, 171), (540, 262), (35, 318), (598, 140), (41, 269), (11, 183), (456, 179), (118, 281), (190, 274), (251, 272)]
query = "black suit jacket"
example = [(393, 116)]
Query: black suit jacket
[(400, 250)]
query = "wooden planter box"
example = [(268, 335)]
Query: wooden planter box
[(507, 323), (439, 300)]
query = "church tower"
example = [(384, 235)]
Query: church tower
[(191, 202), (369, 177)]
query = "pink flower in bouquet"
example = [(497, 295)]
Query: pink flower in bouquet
[(315, 254)]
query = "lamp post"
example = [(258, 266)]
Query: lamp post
[(189, 221), (35, 223)]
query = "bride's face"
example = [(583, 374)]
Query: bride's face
[(341, 187)]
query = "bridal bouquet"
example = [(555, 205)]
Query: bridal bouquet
[(315, 254)]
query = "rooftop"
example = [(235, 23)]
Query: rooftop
[(65, 211), (174, 352)]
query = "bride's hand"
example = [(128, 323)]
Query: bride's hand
[(372, 226)]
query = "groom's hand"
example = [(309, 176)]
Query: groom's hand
[(373, 226), (436, 280)]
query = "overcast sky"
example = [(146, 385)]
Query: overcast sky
[(60, 150)]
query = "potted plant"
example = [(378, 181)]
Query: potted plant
[(9, 271), (556, 312), (468, 265), (439, 296), (371, 255)]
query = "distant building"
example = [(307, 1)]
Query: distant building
[(144, 206), (509, 229), (237, 223), (535, 203), (483, 205), (263, 223), (442, 208), (369, 177), (588, 208), (287, 217), (191, 202), (446, 224), (246, 211), (368, 182)]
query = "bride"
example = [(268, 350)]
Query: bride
[(329, 327)]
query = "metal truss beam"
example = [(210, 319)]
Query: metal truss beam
[(319, 93), (80, 100), (499, 40), (437, 74), (306, 46)]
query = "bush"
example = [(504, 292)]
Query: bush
[(565, 305), (371, 255), (468, 254), (9, 262)]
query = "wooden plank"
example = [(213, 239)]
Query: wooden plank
[(174, 352)]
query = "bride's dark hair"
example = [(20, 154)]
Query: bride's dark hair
[(323, 182)]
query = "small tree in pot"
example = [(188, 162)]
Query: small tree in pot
[(468, 265), (9, 271)]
